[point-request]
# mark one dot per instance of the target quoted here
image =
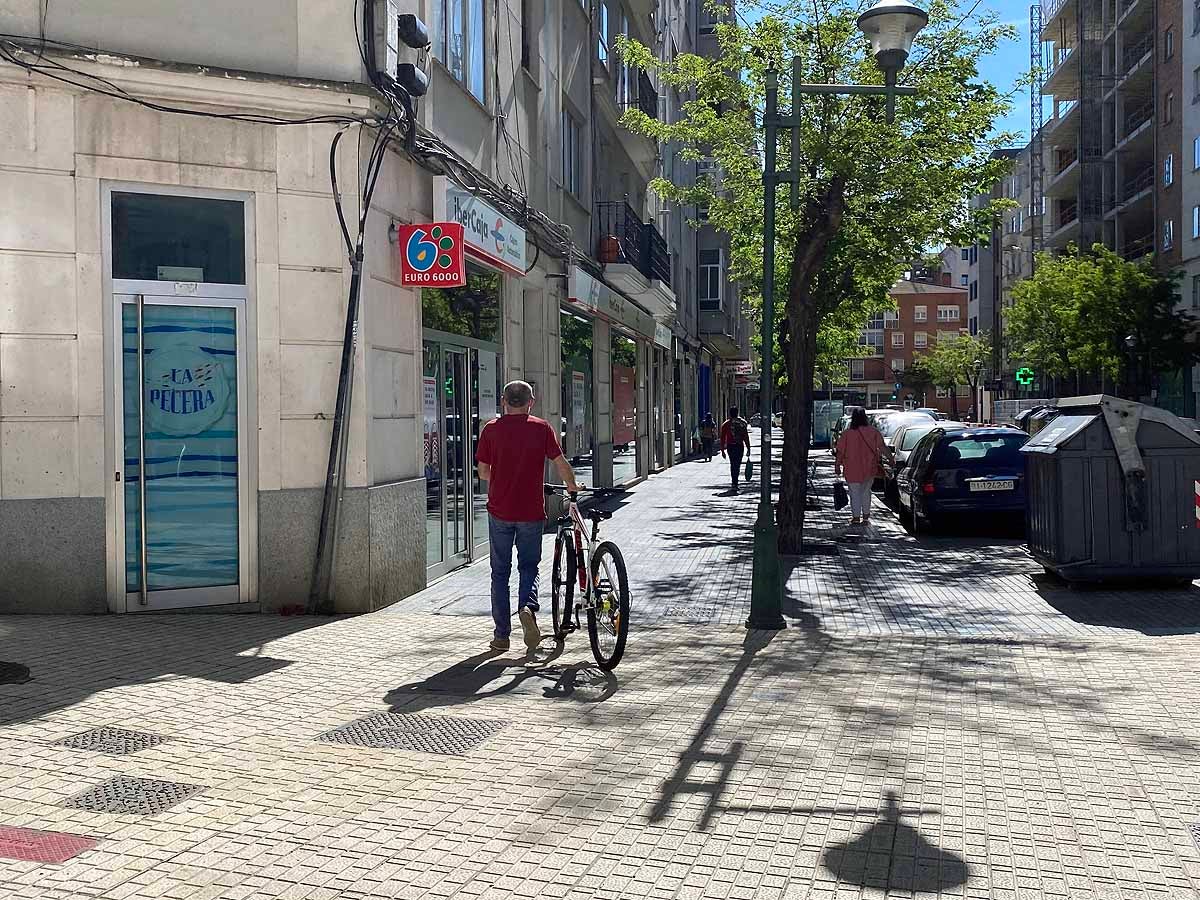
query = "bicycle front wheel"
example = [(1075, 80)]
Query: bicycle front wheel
[(608, 613), (562, 585)]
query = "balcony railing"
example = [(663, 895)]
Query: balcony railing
[(1139, 247), (1067, 215), (1133, 55), (1064, 160), (1138, 183), (625, 238), (1138, 116), (643, 95)]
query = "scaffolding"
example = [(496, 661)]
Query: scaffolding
[(1037, 194), (1090, 37)]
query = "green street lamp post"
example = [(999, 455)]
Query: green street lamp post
[(890, 26)]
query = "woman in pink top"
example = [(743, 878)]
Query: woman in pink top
[(859, 455)]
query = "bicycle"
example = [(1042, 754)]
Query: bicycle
[(603, 583)]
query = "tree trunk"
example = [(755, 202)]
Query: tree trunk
[(954, 401), (822, 216), (793, 490)]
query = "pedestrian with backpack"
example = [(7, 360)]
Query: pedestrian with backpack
[(735, 439), (708, 436)]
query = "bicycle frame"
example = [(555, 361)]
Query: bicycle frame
[(579, 535)]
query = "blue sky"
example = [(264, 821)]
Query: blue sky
[(1009, 63), (1003, 68)]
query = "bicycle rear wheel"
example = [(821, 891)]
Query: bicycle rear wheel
[(608, 613), (562, 585)]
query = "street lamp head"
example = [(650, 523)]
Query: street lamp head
[(891, 26)]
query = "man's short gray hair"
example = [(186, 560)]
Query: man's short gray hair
[(518, 394)]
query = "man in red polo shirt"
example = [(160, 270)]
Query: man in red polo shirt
[(511, 457)]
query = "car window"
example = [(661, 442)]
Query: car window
[(981, 450), (913, 434)]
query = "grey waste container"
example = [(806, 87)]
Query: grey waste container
[(1111, 492), (1042, 416)]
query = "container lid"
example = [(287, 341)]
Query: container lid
[(1057, 432)]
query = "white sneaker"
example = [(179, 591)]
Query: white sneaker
[(533, 636)]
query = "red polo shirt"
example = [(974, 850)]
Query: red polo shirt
[(517, 447)]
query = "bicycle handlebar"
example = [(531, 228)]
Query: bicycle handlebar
[(549, 489)]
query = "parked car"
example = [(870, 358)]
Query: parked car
[(936, 413), (975, 470), (904, 439), (889, 425)]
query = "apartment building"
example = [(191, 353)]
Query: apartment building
[(146, 250), (1112, 148), (926, 312)]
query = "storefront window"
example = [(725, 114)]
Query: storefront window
[(576, 340), (471, 311), (162, 237), (433, 453), (624, 409)]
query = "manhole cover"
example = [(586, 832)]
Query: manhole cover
[(690, 613), (447, 735), (41, 846), (14, 673), (138, 796), (113, 741)]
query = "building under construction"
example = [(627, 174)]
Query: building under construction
[(1111, 150)]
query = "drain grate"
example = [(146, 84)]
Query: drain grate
[(690, 613), (14, 673), (31, 845), (134, 796), (113, 741), (447, 735), (1194, 828)]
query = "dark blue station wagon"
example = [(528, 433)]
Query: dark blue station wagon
[(954, 472)]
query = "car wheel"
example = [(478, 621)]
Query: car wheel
[(906, 520)]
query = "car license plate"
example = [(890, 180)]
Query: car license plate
[(993, 485)]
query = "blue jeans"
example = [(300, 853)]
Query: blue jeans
[(528, 538)]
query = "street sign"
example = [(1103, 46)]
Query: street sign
[(1025, 376)]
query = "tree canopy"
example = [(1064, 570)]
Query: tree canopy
[(871, 194), (1078, 309)]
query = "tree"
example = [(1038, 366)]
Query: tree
[(918, 378), (1078, 310), (963, 359), (862, 203)]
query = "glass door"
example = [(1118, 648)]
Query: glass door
[(459, 461), (180, 384)]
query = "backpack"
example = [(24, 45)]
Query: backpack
[(737, 430)]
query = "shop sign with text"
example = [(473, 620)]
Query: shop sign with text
[(432, 255), (487, 233)]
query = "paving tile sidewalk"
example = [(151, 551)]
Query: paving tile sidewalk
[(937, 722)]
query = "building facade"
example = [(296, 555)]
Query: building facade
[(175, 284), (926, 312)]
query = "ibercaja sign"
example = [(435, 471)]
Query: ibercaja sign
[(432, 255)]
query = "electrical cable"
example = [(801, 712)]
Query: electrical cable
[(9, 50)]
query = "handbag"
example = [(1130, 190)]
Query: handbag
[(840, 497), (879, 472), (749, 469)]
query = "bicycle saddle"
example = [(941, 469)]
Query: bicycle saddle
[(598, 515)]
